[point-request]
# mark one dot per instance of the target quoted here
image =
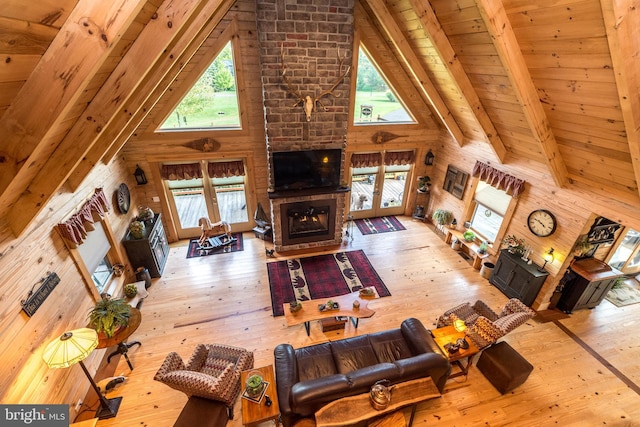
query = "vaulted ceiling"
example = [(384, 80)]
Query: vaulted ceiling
[(552, 81)]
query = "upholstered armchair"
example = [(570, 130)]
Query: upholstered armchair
[(212, 372), (485, 326)]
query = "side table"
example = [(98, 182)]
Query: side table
[(449, 335), (120, 337), (254, 413)]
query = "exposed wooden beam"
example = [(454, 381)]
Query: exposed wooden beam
[(497, 22), (171, 17), (460, 79), (622, 22), (82, 45), (139, 105), (427, 88)]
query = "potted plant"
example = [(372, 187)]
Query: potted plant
[(483, 248), (469, 236), (424, 182), (514, 245), (442, 216), (137, 229), (109, 315)]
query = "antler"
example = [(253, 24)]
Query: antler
[(335, 84), (290, 88)]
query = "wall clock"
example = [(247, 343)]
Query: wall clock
[(542, 223), (124, 198)]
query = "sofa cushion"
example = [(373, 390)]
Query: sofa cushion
[(315, 361), (353, 353), (390, 346), (362, 379), (319, 389)]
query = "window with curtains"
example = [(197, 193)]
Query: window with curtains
[(491, 205), (94, 252)]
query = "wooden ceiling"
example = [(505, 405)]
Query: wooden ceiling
[(553, 81)]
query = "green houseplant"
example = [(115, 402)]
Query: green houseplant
[(108, 315), (442, 216), (469, 236)]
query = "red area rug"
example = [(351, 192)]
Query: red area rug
[(383, 224), (236, 246), (321, 276)]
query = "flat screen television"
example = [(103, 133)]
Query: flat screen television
[(301, 170)]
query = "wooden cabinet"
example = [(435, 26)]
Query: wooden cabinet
[(151, 251), (587, 283), (517, 279)]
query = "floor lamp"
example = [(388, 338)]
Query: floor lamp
[(73, 347)]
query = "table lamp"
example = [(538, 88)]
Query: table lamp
[(548, 257), (460, 326), (73, 347)]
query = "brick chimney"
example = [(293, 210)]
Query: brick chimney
[(309, 38)]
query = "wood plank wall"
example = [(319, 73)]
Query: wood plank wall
[(23, 262)]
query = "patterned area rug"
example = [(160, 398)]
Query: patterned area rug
[(384, 224), (623, 295), (321, 276), (236, 246)]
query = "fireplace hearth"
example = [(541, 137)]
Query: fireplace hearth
[(308, 221)]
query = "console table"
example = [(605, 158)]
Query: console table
[(311, 312), (469, 248), (353, 409)]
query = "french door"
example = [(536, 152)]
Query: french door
[(626, 257), (198, 195), (378, 190)]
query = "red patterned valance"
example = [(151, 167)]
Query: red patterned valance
[(500, 180), (225, 169), (179, 172), (366, 160), (75, 228), (398, 158)]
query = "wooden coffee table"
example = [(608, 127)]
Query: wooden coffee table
[(311, 312), (255, 413), (354, 409), (448, 334)]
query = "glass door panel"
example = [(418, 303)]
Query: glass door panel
[(188, 203), (626, 258), (363, 187), (393, 190), (230, 199)]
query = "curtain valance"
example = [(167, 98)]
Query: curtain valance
[(398, 158), (75, 228), (226, 169), (179, 172), (500, 180), (366, 160)]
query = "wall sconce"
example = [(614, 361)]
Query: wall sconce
[(428, 159), (548, 257), (141, 179)]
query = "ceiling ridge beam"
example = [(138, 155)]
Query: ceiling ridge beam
[(622, 20), (497, 22), (408, 56), (171, 17), (82, 45), (461, 80), (135, 109)]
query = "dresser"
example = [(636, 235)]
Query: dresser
[(587, 283), (517, 279), (151, 251)]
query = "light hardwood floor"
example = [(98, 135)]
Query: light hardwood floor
[(225, 299)]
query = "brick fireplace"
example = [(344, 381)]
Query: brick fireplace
[(313, 40)]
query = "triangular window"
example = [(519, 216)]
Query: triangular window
[(376, 100), (212, 102)]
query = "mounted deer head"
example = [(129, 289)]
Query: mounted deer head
[(308, 103)]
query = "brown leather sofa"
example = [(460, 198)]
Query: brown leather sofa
[(310, 377)]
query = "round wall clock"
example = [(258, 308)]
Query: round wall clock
[(542, 223), (124, 198)]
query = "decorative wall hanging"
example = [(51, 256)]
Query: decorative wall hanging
[(455, 181), (308, 103), (205, 145), (382, 137), (35, 298), (124, 198)]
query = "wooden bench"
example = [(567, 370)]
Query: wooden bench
[(469, 248)]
